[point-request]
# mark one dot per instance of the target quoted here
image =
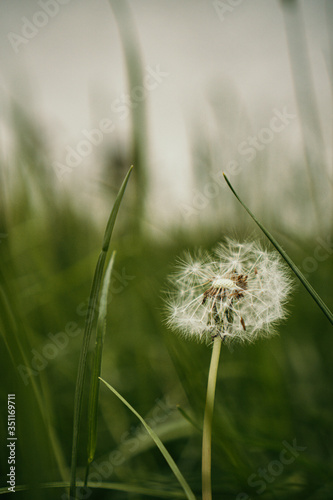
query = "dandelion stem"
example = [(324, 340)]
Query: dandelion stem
[(208, 419)]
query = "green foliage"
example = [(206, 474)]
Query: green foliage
[(159, 444), (273, 391), (268, 394), (89, 326)]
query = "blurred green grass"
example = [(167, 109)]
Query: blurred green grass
[(274, 391)]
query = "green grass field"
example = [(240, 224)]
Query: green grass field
[(272, 426), (274, 391)]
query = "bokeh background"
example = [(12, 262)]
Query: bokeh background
[(184, 91)]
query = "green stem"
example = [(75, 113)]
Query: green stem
[(208, 419)]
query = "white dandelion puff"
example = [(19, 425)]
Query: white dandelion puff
[(238, 293)]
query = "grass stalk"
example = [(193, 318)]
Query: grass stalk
[(172, 464), (123, 487), (307, 108), (90, 321), (130, 42), (208, 421), (96, 371), (319, 301), (10, 326)]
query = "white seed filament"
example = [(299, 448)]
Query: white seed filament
[(224, 283)]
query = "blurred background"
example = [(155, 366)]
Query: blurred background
[(183, 90)]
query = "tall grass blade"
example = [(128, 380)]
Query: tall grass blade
[(96, 371), (92, 307), (130, 42), (10, 327), (286, 257), (127, 488), (187, 417), (159, 444)]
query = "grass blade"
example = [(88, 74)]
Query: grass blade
[(11, 325), (130, 42), (93, 299), (127, 488), (291, 264), (159, 444), (187, 417), (96, 371)]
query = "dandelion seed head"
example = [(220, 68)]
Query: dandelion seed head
[(224, 283), (238, 292)]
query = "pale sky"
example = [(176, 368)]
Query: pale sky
[(70, 72)]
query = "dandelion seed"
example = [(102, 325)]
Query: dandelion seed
[(238, 293)]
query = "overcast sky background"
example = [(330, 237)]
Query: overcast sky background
[(68, 75)]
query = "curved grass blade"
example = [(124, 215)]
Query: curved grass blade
[(187, 417), (96, 371), (10, 326), (128, 488), (92, 307), (291, 264), (189, 493)]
